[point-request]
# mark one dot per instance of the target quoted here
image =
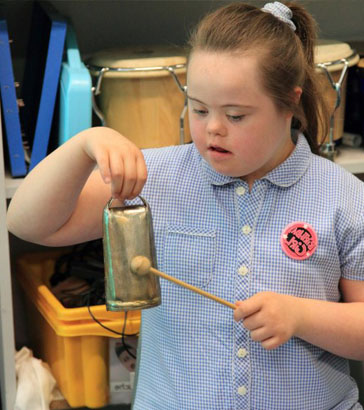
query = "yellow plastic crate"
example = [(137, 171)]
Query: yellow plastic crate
[(69, 340)]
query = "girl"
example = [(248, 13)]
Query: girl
[(248, 212)]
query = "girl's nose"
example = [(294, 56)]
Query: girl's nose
[(215, 126)]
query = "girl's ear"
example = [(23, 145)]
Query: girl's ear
[(297, 92)]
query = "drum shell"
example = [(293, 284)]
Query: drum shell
[(145, 106), (128, 232), (329, 51)]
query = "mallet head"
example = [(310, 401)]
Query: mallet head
[(140, 265)]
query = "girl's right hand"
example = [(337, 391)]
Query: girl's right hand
[(120, 162)]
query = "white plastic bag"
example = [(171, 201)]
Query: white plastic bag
[(36, 386)]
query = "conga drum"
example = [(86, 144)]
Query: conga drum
[(332, 60), (140, 92)]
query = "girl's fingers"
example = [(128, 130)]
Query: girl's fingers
[(246, 308), (129, 177), (125, 170), (117, 175), (253, 322), (271, 343), (260, 334), (104, 168), (141, 176)]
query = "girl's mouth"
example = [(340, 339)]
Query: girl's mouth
[(215, 148), (218, 153)]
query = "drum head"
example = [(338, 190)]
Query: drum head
[(148, 57), (331, 52)]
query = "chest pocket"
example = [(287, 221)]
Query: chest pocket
[(189, 254)]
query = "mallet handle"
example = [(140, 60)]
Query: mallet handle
[(193, 288)]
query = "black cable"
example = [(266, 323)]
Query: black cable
[(101, 324), (122, 334), (126, 347)]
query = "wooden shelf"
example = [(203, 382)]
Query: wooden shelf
[(11, 185), (352, 159)]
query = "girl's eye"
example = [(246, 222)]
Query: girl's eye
[(235, 118), (200, 112)]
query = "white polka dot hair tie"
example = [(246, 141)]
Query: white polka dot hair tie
[(281, 11)]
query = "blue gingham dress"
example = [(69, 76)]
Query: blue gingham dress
[(211, 232)]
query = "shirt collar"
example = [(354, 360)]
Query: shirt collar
[(285, 175)]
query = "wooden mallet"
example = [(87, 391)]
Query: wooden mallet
[(141, 265)]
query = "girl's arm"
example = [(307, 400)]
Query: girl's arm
[(60, 201), (274, 318), (336, 327)]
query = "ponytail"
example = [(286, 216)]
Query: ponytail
[(315, 111), (306, 30)]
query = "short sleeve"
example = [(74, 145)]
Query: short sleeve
[(351, 248)]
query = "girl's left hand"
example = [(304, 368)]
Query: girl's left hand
[(272, 318)]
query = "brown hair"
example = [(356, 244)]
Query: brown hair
[(287, 58)]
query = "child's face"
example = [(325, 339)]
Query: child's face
[(234, 123)]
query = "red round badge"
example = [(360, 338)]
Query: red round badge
[(299, 240)]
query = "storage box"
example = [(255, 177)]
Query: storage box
[(69, 340)]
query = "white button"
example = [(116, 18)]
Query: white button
[(243, 270), (242, 352), (242, 390), (246, 229), (240, 190)]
